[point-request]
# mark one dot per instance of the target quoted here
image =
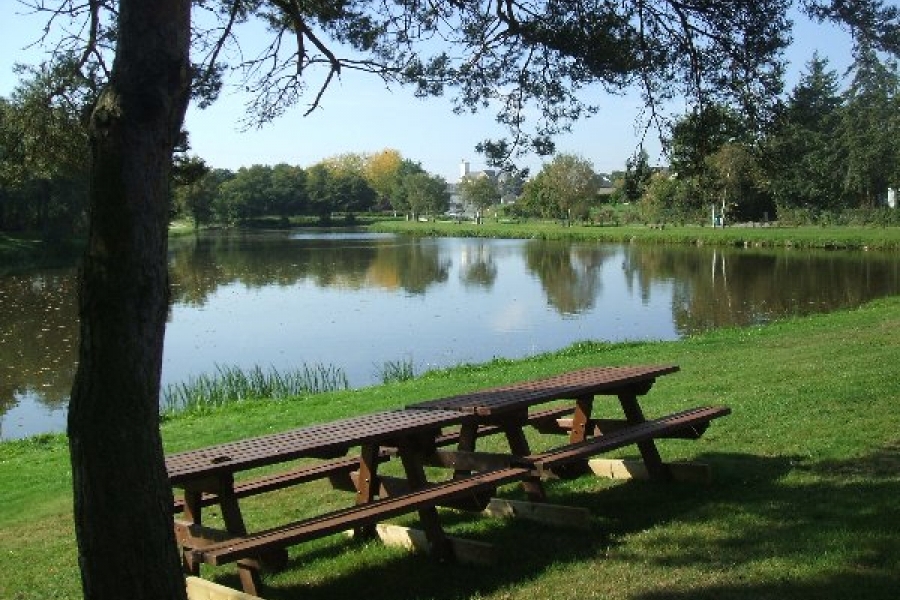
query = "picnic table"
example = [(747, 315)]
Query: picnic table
[(206, 476), (417, 435), (506, 409)]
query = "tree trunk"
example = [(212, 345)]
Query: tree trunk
[(122, 500)]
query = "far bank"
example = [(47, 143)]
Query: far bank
[(838, 238)]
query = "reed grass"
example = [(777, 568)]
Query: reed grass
[(395, 371), (228, 384)]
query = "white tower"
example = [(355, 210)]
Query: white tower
[(463, 169)]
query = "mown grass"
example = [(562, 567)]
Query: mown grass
[(803, 504), (849, 238)]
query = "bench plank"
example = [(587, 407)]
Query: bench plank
[(349, 518), (604, 426), (688, 420)]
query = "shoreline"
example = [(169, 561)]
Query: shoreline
[(21, 250), (828, 238)]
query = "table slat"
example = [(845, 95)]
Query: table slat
[(594, 380), (313, 440)]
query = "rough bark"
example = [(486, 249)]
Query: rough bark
[(122, 500)]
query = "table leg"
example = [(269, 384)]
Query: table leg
[(192, 514), (367, 485), (652, 460), (583, 407), (518, 444), (468, 435), (411, 458), (223, 487), (234, 523), (581, 419)]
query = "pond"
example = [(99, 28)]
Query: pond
[(357, 300)]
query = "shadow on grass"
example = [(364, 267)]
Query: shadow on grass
[(834, 526), (756, 509)]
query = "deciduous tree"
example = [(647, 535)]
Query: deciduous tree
[(566, 184), (637, 176), (288, 190), (738, 179), (399, 195), (480, 191), (383, 172), (190, 195), (426, 194)]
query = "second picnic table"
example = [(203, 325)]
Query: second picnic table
[(506, 409)]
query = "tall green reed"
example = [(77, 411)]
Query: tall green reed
[(234, 384), (395, 371)]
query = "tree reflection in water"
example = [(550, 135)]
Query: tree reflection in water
[(372, 298)]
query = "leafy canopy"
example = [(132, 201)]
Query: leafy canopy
[(530, 61)]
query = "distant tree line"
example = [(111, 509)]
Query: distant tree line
[(821, 155), (44, 169)]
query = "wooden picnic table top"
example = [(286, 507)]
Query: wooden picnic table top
[(311, 441), (589, 381)]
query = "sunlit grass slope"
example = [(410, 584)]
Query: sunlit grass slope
[(803, 502)]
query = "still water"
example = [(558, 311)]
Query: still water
[(356, 300)]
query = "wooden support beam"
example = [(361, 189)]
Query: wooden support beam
[(398, 486), (603, 426), (635, 469), (201, 589), (191, 536), (542, 512), (464, 551), (461, 460)]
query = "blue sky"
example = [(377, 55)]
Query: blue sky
[(359, 114)]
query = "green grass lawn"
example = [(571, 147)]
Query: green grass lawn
[(852, 238), (804, 501)]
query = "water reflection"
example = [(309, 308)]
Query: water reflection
[(714, 287), (570, 274), (38, 336), (413, 267), (355, 300), (477, 265), (200, 266)]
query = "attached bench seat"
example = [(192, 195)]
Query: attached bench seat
[(689, 423), (357, 516)]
